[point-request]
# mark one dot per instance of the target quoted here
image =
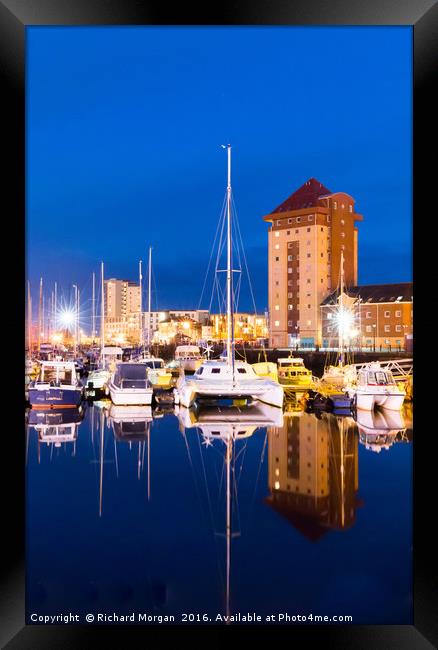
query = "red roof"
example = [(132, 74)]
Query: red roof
[(305, 196)]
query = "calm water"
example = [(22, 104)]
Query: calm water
[(220, 511)]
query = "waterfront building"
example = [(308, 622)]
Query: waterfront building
[(122, 298), (247, 327), (178, 330), (307, 233), (381, 317)]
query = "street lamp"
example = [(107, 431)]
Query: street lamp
[(374, 332)]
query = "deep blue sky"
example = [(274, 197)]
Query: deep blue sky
[(123, 134)]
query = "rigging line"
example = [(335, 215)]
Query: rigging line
[(244, 259), (212, 251), (205, 480), (193, 472), (215, 278)]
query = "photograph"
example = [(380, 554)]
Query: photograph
[(219, 325)]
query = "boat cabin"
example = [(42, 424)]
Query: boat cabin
[(57, 373), (221, 371), (187, 352), (375, 377), (131, 375)]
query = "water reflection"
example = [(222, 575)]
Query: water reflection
[(228, 426), (264, 482), (313, 472)]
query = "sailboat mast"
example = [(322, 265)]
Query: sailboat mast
[(93, 308), (341, 309), (149, 296), (140, 278), (75, 335), (102, 315), (40, 306), (29, 319), (55, 323), (230, 323)]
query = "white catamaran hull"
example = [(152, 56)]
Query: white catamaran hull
[(190, 392), (369, 401)]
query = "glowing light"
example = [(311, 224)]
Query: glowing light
[(67, 317), (186, 325), (57, 338), (344, 320)]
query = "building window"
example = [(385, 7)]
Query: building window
[(290, 258), (308, 281), (310, 217), (290, 307), (277, 234), (277, 283), (289, 220), (335, 205), (342, 234), (277, 323), (290, 294), (277, 259), (289, 270), (322, 229), (350, 208), (277, 246), (342, 221), (398, 313), (297, 231), (308, 254), (289, 323), (368, 328), (308, 229), (278, 223), (387, 314), (368, 314), (289, 283), (309, 322), (309, 306), (288, 232), (387, 328), (298, 219), (398, 328), (277, 307)]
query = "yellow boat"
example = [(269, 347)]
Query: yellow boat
[(293, 374), (266, 369)]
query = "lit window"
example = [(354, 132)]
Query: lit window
[(398, 313), (289, 245), (277, 323), (342, 222), (277, 246), (309, 322), (290, 307), (290, 295), (342, 234), (335, 205), (368, 328), (289, 270), (350, 208), (277, 307), (387, 328), (398, 328), (290, 258)]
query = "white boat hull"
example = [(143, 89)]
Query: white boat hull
[(189, 393), (369, 401), (131, 397)]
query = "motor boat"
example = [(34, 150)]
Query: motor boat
[(379, 429), (372, 386), (57, 386), (129, 384), (189, 357)]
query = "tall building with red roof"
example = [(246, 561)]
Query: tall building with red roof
[(307, 233)]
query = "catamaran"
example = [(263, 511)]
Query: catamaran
[(227, 377)]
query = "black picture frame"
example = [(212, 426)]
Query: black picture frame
[(15, 16)]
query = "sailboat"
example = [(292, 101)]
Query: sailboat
[(158, 375), (334, 377), (227, 377), (98, 378)]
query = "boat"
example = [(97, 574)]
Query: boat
[(379, 429), (129, 384), (189, 357), (226, 377), (293, 373), (57, 386), (56, 426), (130, 423), (266, 369), (97, 380), (372, 386)]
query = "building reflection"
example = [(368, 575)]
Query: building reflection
[(313, 472)]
